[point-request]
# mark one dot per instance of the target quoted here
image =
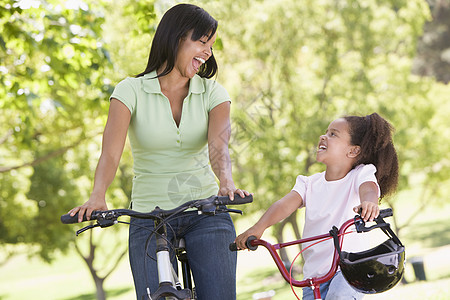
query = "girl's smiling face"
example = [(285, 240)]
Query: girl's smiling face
[(192, 54), (334, 146)]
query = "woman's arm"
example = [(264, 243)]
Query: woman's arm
[(114, 137), (219, 131), (368, 194), (278, 211)]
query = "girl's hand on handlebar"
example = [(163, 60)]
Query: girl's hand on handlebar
[(94, 203), (368, 210), (241, 240)]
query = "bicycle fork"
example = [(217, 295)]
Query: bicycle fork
[(169, 285)]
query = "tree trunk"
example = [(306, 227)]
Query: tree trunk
[(101, 295), (89, 260)]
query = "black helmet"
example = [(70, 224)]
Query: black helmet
[(375, 270)]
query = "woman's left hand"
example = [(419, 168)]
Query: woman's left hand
[(231, 190)]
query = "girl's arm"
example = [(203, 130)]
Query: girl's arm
[(219, 131), (368, 194), (114, 137), (276, 212)]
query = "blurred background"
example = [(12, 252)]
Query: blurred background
[(290, 66)]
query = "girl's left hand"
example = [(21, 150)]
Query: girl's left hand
[(369, 210)]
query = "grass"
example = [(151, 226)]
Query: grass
[(67, 278)]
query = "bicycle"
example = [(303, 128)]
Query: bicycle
[(170, 286), (389, 258)]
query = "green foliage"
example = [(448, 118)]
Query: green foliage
[(291, 67), (50, 200), (130, 25), (52, 97), (296, 66)]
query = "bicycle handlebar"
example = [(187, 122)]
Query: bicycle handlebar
[(248, 243), (204, 206), (252, 243), (359, 223)]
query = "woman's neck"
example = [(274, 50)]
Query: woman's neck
[(173, 81)]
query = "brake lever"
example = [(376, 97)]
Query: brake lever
[(100, 223), (211, 209), (231, 210), (79, 231), (360, 225)]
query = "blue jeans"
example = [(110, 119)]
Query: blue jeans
[(207, 239), (337, 288)]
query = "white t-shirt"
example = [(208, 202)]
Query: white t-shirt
[(328, 204)]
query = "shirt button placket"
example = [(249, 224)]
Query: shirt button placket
[(178, 138)]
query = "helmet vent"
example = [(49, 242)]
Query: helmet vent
[(391, 270)]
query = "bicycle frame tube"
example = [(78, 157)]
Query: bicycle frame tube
[(311, 282), (169, 285), (162, 254), (185, 267)]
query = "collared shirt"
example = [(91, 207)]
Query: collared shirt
[(171, 163)]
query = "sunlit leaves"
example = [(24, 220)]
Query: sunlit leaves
[(54, 87), (316, 61)]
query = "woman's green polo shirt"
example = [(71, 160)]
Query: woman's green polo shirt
[(170, 163)]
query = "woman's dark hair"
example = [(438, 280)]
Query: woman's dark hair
[(176, 23), (374, 135)]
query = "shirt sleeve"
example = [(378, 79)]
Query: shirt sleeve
[(125, 93), (300, 187), (366, 173), (217, 95)]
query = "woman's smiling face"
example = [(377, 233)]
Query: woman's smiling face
[(192, 54)]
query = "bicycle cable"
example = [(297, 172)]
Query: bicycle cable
[(298, 254)]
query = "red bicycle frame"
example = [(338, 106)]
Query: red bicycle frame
[(314, 282)]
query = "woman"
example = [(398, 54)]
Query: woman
[(178, 122)]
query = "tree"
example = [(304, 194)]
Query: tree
[(291, 67), (296, 66), (54, 67), (433, 52), (51, 89), (57, 75)]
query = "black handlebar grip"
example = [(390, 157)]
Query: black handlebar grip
[(68, 219), (233, 246), (386, 213), (248, 243), (224, 200)]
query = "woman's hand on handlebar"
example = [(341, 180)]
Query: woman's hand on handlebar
[(94, 203), (228, 189), (241, 240)]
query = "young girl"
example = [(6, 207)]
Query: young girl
[(361, 167)]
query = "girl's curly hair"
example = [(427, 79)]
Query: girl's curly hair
[(374, 135)]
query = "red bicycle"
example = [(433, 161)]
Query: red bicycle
[(372, 271)]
